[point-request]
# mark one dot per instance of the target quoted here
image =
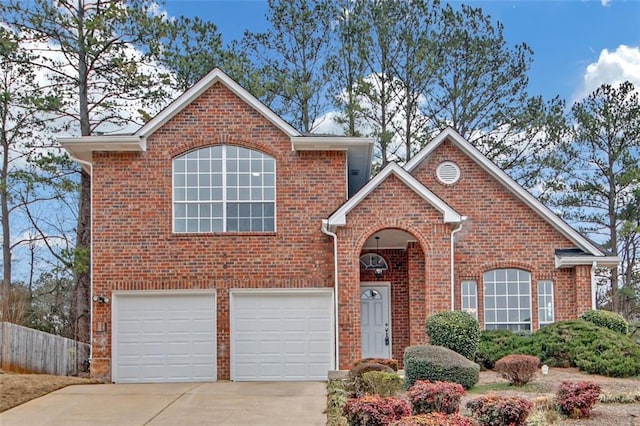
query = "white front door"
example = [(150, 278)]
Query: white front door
[(376, 324)]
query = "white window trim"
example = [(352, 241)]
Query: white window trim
[(224, 194), (553, 302), (484, 296), (474, 312)]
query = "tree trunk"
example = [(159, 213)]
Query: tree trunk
[(80, 307), (6, 231)]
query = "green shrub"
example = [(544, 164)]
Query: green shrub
[(381, 383), (437, 363), (337, 397), (634, 331), (593, 349), (576, 400), (442, 397), (496, 344), (434, 419), (607, 319), (494, 410), (354, 381), (389, 362), (455, 330), (375, 411), (518, 369)]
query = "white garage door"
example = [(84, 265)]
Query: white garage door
[(281, 335), (164, 337)]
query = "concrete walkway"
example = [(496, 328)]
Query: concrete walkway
[(219, 403)]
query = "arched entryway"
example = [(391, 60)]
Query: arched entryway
[(391, 293)]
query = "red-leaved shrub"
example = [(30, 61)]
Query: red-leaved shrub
[(375, 411), (435, 419), (576, 399), (518, 369), (494, 410), (427, 397)]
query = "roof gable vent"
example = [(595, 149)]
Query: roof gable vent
[(448, 172)]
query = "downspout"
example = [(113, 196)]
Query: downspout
[(594, 265), (90, 166), (325, 230), (453, 277)]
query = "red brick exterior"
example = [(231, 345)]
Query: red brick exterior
[(134, 247), (133, 244)]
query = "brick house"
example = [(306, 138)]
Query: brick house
[(227, 245)]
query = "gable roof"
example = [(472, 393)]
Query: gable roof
[(339, 217), (214, 76), (496, 172), (359, 150)]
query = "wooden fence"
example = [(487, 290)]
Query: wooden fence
[(25, 350)]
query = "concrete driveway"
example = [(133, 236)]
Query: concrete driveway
[(219, 403)]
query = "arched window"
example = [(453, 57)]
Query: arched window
[(370, 294), (373, 261), (224, 188), (507, 299)]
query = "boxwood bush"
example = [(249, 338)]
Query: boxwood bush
[(455, 330), (437, 363), (582, 344), (607, 319)]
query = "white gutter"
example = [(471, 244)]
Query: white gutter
[(594, 265), (325, 230), (453, 278), (90, 166)]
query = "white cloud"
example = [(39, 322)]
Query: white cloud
[(605, 3), (613, 68)]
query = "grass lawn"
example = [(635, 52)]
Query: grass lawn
[(17, 389)]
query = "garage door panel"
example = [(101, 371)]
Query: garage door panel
[(160, 337), (283, 336)]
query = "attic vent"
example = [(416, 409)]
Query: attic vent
[(448, 173)]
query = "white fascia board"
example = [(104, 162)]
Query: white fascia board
[(603, 261), (449, 132), (215, 76), (105, 143), (339, 217), (81, 148), (502, 177), (329, 143)]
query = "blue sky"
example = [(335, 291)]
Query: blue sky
[(576, 43)]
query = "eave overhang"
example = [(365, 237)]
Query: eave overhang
[(359, 154), (598, 261), (82, 148)]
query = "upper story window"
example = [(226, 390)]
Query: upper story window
[(507, 299), (224, 188)]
